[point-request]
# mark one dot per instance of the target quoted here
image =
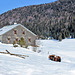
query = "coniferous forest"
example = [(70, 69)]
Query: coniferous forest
[(55, 20)]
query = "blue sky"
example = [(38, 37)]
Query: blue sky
[(6, 5)]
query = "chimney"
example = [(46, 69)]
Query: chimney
[(15, 23)]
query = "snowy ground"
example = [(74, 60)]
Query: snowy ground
[(38, 63)]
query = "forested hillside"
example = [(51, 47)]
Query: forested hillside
[(55, 19)]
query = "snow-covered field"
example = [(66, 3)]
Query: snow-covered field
[(38, 63)]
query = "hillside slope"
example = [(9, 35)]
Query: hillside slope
[(38, 63), (55, 19)]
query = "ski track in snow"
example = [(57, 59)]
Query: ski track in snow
[(38, 63)]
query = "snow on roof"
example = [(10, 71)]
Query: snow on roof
[(8, 28)]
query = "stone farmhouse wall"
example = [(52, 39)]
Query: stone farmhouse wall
[(9, 36)]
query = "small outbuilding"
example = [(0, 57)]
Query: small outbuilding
[(15, 32)]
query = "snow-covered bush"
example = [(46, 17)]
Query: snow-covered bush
[(14, 42), (22, 42), (15, 45)]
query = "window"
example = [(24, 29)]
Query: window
[(8, 39), (17, 39), (29, 39), (15, 31), (23, 32)]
